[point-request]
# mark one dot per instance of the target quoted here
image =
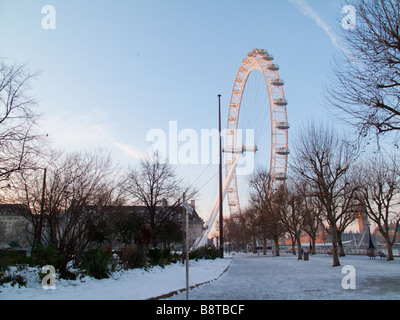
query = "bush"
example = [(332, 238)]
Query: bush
[(206, 252), (160, 257), (133, 256), (67, 275), (96, 263), (48, 255), (154, 256), (14, 279), (11, 257)]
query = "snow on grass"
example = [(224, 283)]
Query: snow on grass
[(134, 284), (249, 277)]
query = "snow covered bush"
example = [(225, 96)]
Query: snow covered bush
[(6, 276)]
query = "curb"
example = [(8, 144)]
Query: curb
[(175, 292)]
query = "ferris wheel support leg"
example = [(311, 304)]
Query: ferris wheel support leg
[(202, 240)]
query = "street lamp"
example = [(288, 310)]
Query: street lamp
[(221, 217)]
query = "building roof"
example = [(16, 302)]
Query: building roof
[(13, 209), (140, 210), (23, 210)]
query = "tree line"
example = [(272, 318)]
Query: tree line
[(331, 176), (74, 199), (329, 185)]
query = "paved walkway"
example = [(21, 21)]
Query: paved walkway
[(252, 277)]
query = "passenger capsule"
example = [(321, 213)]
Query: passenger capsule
[(280, 176), (282, 125), (282, 151), (273, 67), (277, 82), (281, 102)]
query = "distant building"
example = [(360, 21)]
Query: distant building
[(196, 225), (392, 228), (15, 228), (195, 222)]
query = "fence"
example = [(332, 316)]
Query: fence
[(356, 251)]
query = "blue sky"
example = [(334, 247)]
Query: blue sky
[(113, 70)]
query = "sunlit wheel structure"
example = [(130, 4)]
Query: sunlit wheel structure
[(261, 93), (258, 60)]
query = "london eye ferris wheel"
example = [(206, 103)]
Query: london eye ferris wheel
[(257, 95), (257, 60)]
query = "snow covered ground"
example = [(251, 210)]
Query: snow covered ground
[(135, 284), (252, 277), (249, 277)]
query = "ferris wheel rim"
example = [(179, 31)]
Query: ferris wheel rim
[(259, 59)]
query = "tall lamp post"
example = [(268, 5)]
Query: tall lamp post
[(221, 217)]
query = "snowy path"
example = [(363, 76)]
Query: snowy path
[(252, 277)]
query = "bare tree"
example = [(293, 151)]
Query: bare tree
[(266, 204), (347, 205), (313, 214), (292, 212), (18, 140), (366, 86), (78, 189), (252, 219), (232, 232), (154, 184), (323, 160), (243, 228), (379, 194)]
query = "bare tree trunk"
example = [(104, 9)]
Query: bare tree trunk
[(276, 245), (389, 250), (341, 248), (293, 244), (265, 246), (254, 244), (313, 244), (299, 248), (335, 252)]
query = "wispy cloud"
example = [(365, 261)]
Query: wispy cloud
[(308, 11), (76, 132), (129, 150)]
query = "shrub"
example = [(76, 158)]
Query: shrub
[(161, 257), (133, 256), (47, 255), (14, 279), (154, 256), (166, 255), (12, 257), (206, 252), (96, 263), (67, 275)]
